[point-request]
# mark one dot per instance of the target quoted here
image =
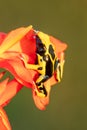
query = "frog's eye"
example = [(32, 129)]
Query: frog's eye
[(59, 68)]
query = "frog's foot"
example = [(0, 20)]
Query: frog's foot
[(40, 90)]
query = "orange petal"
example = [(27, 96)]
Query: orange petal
[(59, 46), (37, 101), (4, 122), (13, 37), (24, 46), (8, 90), (42, 102), (16, 67)]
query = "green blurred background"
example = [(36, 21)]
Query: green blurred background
[(66, 20)]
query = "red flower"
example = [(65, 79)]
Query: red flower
[(17, 51)]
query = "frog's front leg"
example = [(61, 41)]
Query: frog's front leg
[(40, 67), (36, 67)]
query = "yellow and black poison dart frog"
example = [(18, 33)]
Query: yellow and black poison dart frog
[(46, 63)]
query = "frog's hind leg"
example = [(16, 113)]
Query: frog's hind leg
[(41, 91)]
